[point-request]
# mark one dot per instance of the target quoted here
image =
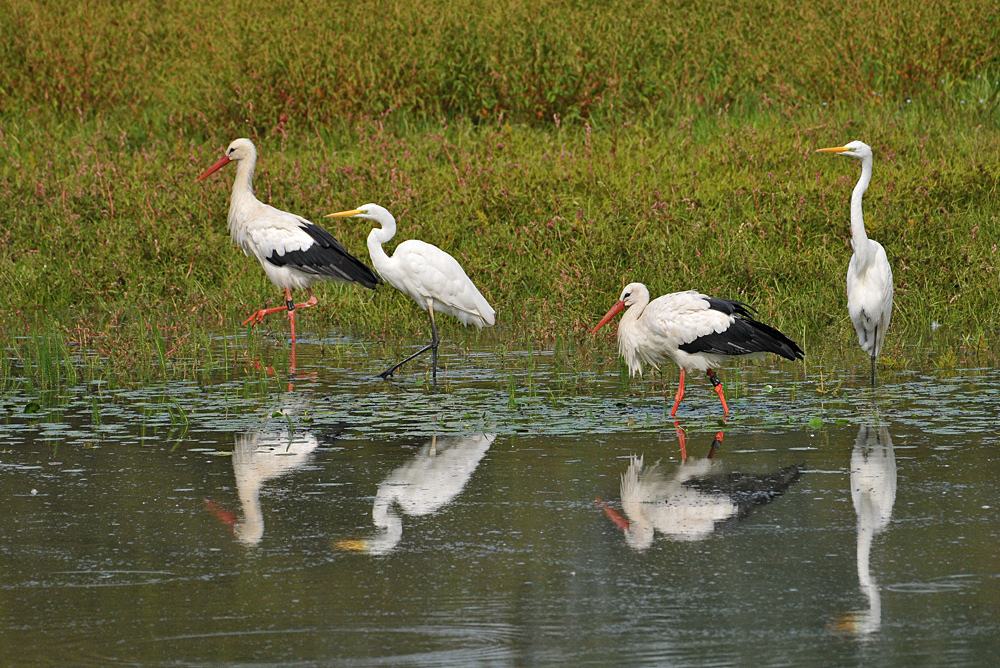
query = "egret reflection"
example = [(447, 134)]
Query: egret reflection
[(873, 490), (427, 483), (687, 501)]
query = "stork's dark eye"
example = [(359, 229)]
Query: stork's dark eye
[(627, 295)]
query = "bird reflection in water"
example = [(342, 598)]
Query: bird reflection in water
[(873, 490), (426, 484), (688, 503), (260, 456)]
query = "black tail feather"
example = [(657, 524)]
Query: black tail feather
[(328, 258), (745, 336)]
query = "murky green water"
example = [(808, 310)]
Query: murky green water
[(504, 520)]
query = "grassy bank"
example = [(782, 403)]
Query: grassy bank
[(556, 150)]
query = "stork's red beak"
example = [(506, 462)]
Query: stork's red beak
[(223, 161), (613, 515), (615, 310)]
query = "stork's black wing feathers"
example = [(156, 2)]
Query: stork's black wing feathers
[(327, 257), (745, 336), (746, 490)]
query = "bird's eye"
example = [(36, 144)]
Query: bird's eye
[(627, 295)]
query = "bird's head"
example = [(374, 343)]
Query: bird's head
[(239, 149), (372, 212), (632, 294), (856, 149)]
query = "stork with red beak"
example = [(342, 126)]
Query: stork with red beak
[(294, 252), (695, 331)]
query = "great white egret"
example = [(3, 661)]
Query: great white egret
[(695, 331), (423, 486), (427, 274), (293, 252), (873, 490), (869, 277)]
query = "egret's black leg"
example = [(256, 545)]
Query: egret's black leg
[(873, 355), (388, 372), (434, 350), (432, 346)]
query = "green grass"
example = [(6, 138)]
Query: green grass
[(557, 149)]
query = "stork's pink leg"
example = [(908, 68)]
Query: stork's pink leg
[(292, 306), (718, 390), (716, 443), (258, 316), (682, 438), (679, 395), (291, 313)]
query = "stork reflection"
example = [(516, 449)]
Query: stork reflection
[(688, 501), (873, 490), (430, 481), (260, 456)]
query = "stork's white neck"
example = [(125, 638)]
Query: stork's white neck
[(390, 526), (250, 529), (242, 199), (633, 312)]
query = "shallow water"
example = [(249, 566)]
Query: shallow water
[(504, 519)]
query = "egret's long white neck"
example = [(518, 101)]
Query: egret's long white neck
[(858, 237), (379, 236)]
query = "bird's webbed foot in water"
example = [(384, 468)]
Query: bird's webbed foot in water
[(257, 317)]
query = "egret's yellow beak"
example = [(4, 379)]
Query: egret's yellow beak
[(351, 544), (344, 214), (834, 149)]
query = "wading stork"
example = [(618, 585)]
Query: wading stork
[(425, 273), (869, 277), (689, 504), (293, 252), (695, 331)]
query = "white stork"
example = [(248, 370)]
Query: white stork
[(293, 252), (695, 331), (428, 275), (691, 503)]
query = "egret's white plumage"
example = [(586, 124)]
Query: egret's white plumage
[(428, 275), (869, 277), (695, 331), (294, 252), (430, 481), (873, 490)]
